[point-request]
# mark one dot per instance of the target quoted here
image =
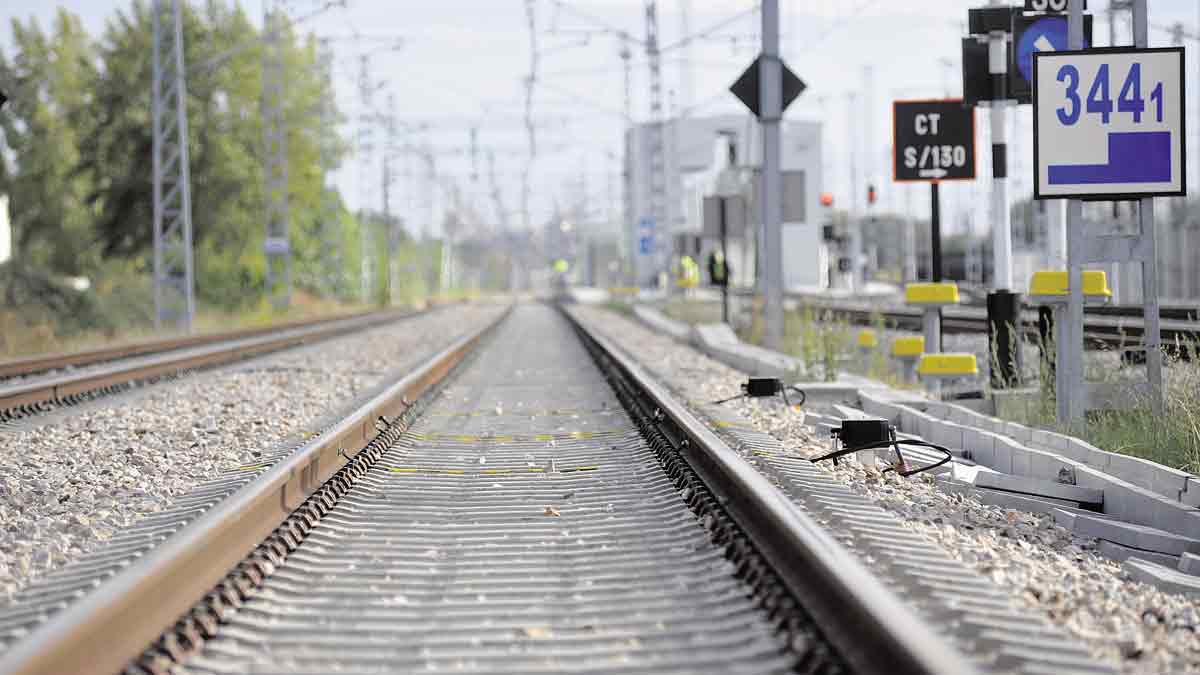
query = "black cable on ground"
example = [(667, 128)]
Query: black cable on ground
[(895, 444)]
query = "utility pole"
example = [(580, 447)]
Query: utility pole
[(868, 107), (686, 81), (474, 150), (276, 245), (392, 229), (174, 280), (853, 223), (771, 97), (658, 174), (627, 144), (366, 88), (330, 216)]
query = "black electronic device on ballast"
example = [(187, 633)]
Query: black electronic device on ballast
[(763, 387), (877, 434)]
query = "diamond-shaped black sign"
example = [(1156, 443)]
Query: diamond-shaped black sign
[(746, 87)]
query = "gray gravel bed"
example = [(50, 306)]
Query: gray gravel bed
[(70, 480), (1041, 565), (14, 380)]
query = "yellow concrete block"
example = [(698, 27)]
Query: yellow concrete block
[(866, 339), (947, 365), (1055, 283), (908, 346), (942, 293)]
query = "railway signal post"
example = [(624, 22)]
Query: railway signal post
[(1108, 124), (767, 87), (933, 141), (986, 75)]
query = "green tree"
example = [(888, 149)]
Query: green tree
[(48, 80), (223, 53)]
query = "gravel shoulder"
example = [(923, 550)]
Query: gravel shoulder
[(1041, 565), (71, 479)]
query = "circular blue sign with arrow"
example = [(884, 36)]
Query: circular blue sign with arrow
[(1046, 34), (1033, 34)]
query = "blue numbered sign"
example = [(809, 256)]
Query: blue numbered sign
[(1109, 124)]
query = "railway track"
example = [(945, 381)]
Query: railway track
[(528, 500), (25, 367), (1105, 327), (87, 374), (1105, 330)]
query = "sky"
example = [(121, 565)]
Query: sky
[(463, 63)]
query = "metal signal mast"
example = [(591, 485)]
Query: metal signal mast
[(277, 245), (174, 281)]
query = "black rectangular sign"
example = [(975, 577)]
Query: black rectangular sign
[(984, 20), (1054, 6), (977, 84), (933, 140)]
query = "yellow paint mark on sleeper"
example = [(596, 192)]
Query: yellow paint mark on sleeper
[(484, 472), (410, 469)]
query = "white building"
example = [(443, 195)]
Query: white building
[(693, 157)]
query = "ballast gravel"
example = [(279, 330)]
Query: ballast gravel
[(1042, 565), (69, 482)]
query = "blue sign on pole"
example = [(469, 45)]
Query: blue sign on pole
[(1047, 34), (1032, 34), (646, 236)]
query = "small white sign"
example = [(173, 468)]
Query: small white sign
[(1108, 124)]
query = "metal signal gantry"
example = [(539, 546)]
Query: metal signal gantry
[(174, 281)]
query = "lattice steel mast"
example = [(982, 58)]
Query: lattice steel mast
[(174, 281), (658, 176), (277, 245)]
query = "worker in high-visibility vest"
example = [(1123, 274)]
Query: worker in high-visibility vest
[(689, 273), (718, 269)]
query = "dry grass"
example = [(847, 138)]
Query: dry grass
[(1171, 438), (21, 337)]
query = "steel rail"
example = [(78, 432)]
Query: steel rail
[(40, 364), (866, 622), (107, 629), (1104, 327), (58, 388), (867, 626), (1100, 332)]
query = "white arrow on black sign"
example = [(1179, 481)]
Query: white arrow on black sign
[(932, 173)]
